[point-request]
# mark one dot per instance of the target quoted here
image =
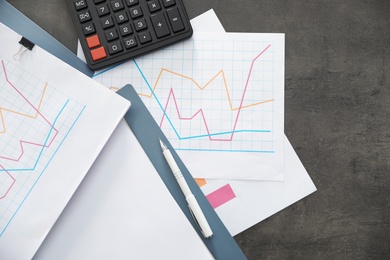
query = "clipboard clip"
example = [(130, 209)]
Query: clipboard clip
[(26, 45), (203, 226)]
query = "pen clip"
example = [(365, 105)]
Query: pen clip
[(202, 224), (196, 221), (26, 45)]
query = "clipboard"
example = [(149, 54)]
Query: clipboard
[(18, 22), (221, 244)]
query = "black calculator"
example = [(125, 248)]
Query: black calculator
[(112, 31)]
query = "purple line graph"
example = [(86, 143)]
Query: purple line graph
[(35, 119), (209, 95)]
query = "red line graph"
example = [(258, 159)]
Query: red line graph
[(21, 94), (37, 111), (200, 111), (21, 142), (3, 109), (13, 180)]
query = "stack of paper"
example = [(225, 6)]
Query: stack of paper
[(123, 210), (54, 121), (219, 98)]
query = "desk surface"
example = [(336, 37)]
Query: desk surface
[(337, 110)]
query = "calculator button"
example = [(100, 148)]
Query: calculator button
[(84, 16), (131, 2), (107, 22), (102, 10), (144, 37), (80, 4), (168, 3), (130, 42), (93, 41), (175, 19), (98, 1), (125, 29), (140, 25), (136, 12), (121, 17), (115, 48), (98, 54), (89, 28), (154, 6), (160, 25), (111, 35), (117, 5)]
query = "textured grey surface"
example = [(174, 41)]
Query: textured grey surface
[(337, 106)]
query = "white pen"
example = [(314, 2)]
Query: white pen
[(195, 209)]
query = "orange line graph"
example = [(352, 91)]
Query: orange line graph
[(21, 114), (221, 72), (113, 88)]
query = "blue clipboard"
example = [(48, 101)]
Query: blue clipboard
[(22, 25), (148, 133)]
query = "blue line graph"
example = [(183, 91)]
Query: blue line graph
[(35, 119), (218, 98), (43, 146), (228, 107)]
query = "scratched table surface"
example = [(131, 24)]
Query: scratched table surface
[(337, 118)]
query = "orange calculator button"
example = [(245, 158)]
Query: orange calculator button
[(93, 41), (99, 53)]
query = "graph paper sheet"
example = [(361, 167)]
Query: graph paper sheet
[(219, 98), (242, 204), (54, 121)]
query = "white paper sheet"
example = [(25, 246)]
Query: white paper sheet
[(254, 201), (54, 121), (123, 210), (219, 99)]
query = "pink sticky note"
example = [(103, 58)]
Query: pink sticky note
[(221, 196)]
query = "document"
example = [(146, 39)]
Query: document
[(242, 204), (123, 210), (54, 121), (219, 99)]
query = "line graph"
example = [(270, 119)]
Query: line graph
[(16, 112), (220, 73), (215, 94), (23, 142), (7, 181), (217, 115), (35, 119), (200, 112)]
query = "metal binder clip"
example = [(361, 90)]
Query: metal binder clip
[(26, 45)]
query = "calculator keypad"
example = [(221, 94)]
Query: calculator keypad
[(112, 31)]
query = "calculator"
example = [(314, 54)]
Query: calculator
[(112, 31)]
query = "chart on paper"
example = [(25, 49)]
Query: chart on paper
[(213, 94), (35, 118), (229, 107)]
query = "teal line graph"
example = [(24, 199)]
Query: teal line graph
[(35, 119), (226, 107)]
